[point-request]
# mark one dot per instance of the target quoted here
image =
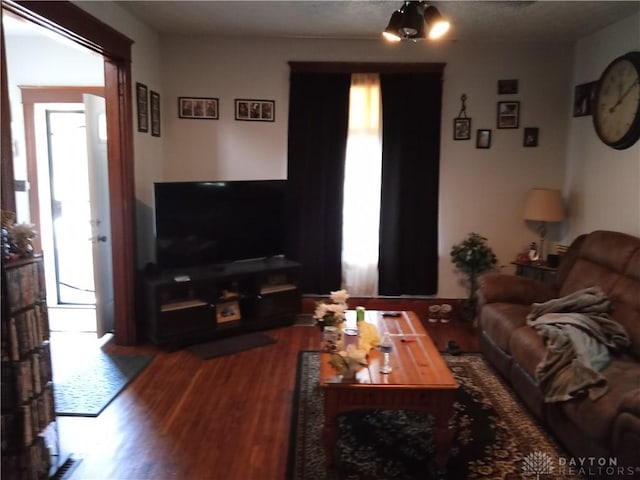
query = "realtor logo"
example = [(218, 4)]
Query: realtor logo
[(537, 463)]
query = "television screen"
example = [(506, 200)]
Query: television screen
[(200, 223)]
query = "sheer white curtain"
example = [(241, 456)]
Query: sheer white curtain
[(363, 172)]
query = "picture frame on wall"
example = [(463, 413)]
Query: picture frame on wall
[(583, 99), (483, 138), (508, 114), (154, 102), (142, 101), (461, 128), (530, 137), (199, 108), (255, 110), (507, 87)]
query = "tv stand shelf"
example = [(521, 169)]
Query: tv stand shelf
[(192, 305)]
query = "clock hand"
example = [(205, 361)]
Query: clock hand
[(626, 92)]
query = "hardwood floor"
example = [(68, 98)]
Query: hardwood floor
[(187, 419)]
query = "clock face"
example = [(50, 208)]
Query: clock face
[(616, 115)]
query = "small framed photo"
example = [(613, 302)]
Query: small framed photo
[(461, 128), (228, 311), (507, 87), (154, 101), (255, 110), (530, 137), (201, 108), (508, 114), (142, 101), (583, 99), (483, 139)]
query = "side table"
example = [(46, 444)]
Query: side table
[(537, 271)]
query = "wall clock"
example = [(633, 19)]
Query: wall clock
[(616, 108)]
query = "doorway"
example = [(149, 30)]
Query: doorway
[(66, 20)]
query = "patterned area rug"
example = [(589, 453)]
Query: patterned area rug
[(87, 391), (495, 436)]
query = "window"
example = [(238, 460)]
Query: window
[(362, 180)]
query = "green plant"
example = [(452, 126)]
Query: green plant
[(472, 257)]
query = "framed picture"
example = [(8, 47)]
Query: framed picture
[(142, 94), (202, 108), (461, 128), (256, 110), (483, 139), (508, 114), (530, 137), (507, 87), (228, 311), (154, 102), (583, 99)]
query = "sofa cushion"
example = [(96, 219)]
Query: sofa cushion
[(500, 320), (527, 348), (625, 297), (596, 419)]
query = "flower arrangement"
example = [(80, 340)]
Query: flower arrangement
[(332, 314), (348, 362), (473, 256)]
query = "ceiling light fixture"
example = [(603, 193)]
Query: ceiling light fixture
[(408, 23)]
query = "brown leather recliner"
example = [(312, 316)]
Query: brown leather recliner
[(610, 425)]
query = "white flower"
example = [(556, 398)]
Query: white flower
[(340, 296)]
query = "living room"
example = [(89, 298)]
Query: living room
[(481, 190)]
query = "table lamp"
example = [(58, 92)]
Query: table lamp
[(543, 205)]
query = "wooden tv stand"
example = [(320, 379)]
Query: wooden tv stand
[(193, 305)]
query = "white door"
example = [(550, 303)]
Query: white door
[(100, 215)]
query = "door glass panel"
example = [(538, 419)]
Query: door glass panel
[(70, 207)]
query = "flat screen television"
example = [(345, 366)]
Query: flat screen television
[(203, 223)]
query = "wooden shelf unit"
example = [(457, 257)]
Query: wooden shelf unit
[(30, 445), (183, 306)]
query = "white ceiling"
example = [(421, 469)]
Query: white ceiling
[(365, 19)]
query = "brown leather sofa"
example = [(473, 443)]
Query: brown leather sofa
[(609, 426)]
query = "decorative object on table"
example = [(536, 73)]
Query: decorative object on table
[(508, 114), (154, 103), (472, 257), (533, 255), (530, 137), (21, 236), (368, 336), (583, 98), (616, 107), (255, 110), (483, 138), (543, 205), (332, 314), (348, 362), (199, 108), (507, 87), (142, 100), (462, 123), (331, 337), (228, 311)]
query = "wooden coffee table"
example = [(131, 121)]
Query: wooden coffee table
[(420, 380)]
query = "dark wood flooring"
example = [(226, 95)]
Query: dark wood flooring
[(184, 418)]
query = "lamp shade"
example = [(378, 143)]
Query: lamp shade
[(544, 205)]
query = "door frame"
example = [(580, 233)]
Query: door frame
[(70, 21)]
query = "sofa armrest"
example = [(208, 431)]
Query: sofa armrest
[(500, 287)]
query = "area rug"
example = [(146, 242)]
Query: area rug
[(495, 437), (100, 378), (228, 346)]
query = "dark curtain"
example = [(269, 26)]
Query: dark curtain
[(318, 121), (411, 106)]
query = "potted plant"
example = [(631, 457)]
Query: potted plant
[(472, 257)]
